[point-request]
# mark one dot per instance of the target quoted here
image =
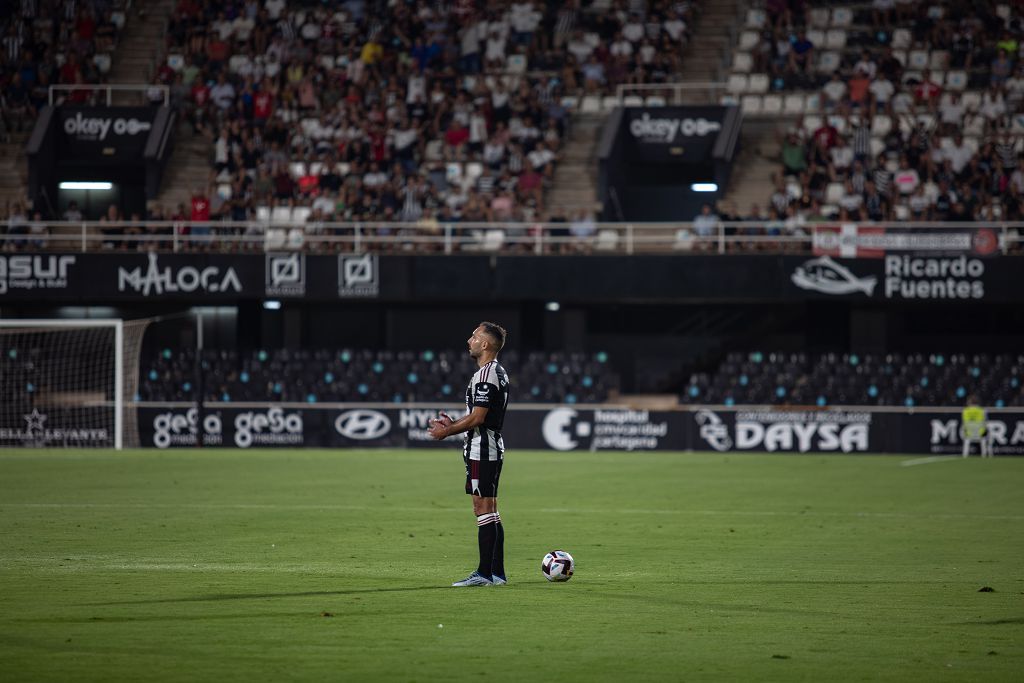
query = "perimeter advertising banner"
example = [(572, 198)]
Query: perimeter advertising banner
[(569, 429), (898, 278)]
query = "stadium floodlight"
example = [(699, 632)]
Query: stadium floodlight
[(82, 185), (69, 383), (553, 306), (704, 187), (272, 305)]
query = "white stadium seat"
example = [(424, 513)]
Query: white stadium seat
[(655, 101), (818, 17), (835, 39), (917, 60), (749, 40), (300, 214), (881, 125), (834, 192), (772, 104), (793, 104), (756, 18), (737, 84), (274, 239), (956, 80), (829, 62), (971, 100), (281, 214), (632, 101), (758, 83), (811, 124), (607, 240), (742, 62), (817, 37), (610, 102), (751, 105), (877, 146), (938, 60), (813, 104), (591, 104), (842, 17), (296, 238), (900, 39)]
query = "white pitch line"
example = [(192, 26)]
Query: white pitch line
[(464, 511), (928, 460)]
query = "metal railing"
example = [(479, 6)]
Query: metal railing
[(109, 89), (512, 238), (695, 92)]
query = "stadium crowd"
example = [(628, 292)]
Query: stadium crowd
[(412, 111), (919, 123), (52, 42)]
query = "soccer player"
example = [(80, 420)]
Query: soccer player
[(484, 450)]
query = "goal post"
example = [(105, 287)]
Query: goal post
[(69, 383)]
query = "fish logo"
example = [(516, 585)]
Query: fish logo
[(828, 277)]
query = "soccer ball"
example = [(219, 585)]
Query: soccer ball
[(557, 565)]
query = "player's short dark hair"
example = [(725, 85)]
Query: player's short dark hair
[(496, 332)]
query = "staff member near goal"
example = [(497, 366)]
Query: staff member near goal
[(484, 450)]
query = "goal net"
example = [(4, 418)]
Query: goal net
[(69, 383)]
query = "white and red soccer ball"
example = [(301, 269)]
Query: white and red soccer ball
[(557, 565)]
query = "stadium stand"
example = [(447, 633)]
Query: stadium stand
[(366, 375), (44, 43), (417, 113), (902, 112), (890, 379)]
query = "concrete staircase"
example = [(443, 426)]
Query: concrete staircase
[(13, 169), (759, 159), (141, 48), (575, 183), (141, 44), (713, 38), (189, 168)]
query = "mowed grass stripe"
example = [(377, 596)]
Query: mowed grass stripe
[(224, 565)]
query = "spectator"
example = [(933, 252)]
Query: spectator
[(72, 214), (706, 223)]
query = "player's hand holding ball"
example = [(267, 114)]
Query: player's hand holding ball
[(439, 426)]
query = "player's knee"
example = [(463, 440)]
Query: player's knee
[(482, 506)]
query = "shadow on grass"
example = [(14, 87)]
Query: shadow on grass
[(256, 596), (175, 617), (993, 622)]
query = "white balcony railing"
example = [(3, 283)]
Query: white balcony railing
[(512, 238)]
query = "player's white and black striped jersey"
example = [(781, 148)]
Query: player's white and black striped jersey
[(488, 388)]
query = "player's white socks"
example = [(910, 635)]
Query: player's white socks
[(489, 518)]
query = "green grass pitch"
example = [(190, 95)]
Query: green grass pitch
[(315, 565)]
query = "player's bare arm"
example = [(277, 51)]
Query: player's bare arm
[(443, 426)]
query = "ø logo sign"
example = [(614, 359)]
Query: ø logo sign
[(362, 424)]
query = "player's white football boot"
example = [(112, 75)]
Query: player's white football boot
[(474, 579), (498, 580)]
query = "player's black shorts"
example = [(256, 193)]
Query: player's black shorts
[(482, 477)]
